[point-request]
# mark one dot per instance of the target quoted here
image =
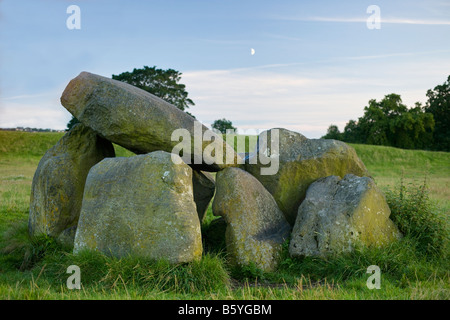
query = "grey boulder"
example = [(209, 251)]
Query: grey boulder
[(296, 162), (256, 227), (339, 214), (140, 206), (58, 183)]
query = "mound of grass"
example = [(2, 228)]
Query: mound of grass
[(381, 160), (44, 256), (19, 144), (205, 275)]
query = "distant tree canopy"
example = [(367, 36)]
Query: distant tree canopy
[(161, 83), (222, 125), (438, 105), (390, 123)]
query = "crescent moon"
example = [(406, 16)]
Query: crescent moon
[(252, 51)]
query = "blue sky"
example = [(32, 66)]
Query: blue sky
[(315, 62)]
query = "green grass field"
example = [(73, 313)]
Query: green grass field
[(36, 268)]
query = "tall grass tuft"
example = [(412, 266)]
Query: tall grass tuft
[(416, 217), (21, 251), (205, 275)]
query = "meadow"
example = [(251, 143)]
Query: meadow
[(416, 184)]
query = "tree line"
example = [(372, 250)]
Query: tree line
[(389, 122)]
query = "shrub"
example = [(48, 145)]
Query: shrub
[(415, 216)]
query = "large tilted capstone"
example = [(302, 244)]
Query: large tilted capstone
[(140, 121), (339, 214), (301, 162), (256, 227), (58, 183), (142, 206)]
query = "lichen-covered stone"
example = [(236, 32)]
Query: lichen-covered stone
[(338, 214), (58, 183), (256, 228), (301, 162), (138, 120), (142, 206), (204, 187)]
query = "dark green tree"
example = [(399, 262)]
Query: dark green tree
[(162, 83), (352, 133), (390, 123), (222, 125), (438, 105), (71, 123), (333, 133)]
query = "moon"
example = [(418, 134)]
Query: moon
[(252, 51)]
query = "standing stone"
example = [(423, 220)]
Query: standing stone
[(204, 187), (140, 121), (339, 213), (143, 206), (256, 228), (58, 183), (301, 162)]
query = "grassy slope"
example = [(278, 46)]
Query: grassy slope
[(389, 165), (20, 153)]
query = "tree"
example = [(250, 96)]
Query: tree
[(71, 123), (162, 83), (333, 133), (438, 105), (352, 133), (222, 125), (390, 123)]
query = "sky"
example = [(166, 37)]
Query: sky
[(300, 65)]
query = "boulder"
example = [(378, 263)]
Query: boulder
[(142, 122), (143, 206), (204, 187), (256, 227), (301, 161), (338, 214), (58, 183)]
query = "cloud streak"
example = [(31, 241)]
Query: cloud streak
[(310, 99), (389, 20)]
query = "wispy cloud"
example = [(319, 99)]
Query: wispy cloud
[(25, 96), (389, 20), (310, 99)]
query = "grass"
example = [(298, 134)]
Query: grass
[(414, 268), (389, 165)]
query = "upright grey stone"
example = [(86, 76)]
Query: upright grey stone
[(256, 228), (142, 206), (338, 214), (58, 183)]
